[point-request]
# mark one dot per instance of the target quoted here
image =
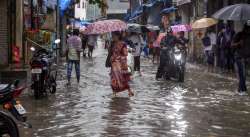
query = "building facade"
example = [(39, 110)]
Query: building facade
[(11, 31), (93, 12), (81, 10), (117, 9)]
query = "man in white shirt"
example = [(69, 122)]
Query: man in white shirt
[(213, 39), (74, 45), (137, 41)]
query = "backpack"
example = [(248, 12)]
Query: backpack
[(206, 41)]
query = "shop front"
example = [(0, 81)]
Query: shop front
[(39, 25), (7, 31)]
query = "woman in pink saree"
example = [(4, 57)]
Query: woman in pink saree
[(120, 76)]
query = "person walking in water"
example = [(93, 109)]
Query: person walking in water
[(241, 47), (120, 76), (137, 41), (92, 42), (73, 50)]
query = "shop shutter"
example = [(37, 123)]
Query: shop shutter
[(3, 33)]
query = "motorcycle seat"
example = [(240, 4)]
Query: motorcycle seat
[(4, 88)]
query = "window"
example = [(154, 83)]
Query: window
[(78, 5)]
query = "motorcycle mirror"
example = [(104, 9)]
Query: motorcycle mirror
[(57, 41), (16, 82), (32, 49)]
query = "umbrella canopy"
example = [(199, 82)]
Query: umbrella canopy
[(179, 28), (138, 28), (204, 23), (105, 26), (237, 12)]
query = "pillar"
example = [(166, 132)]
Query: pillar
[(19, 25)]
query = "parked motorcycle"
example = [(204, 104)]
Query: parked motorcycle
[(8, 93), (175, 67), (43, 72)]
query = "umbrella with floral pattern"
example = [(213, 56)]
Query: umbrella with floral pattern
[(105, 26)]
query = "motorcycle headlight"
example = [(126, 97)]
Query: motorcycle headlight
[(177, 56)]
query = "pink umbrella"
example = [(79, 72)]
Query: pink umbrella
[(178, 28), (105, 26)]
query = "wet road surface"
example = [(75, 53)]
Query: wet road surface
[(204, 106)]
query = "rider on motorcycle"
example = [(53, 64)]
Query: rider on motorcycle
[(182, 43), (167, 43)]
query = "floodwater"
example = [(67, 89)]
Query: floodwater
[(205, 105)]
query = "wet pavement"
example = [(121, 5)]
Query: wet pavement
[(204, 106)]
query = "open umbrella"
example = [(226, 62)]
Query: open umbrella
[(179, 28), (237, 12), (105, 26), (138, 28), (204, 23)]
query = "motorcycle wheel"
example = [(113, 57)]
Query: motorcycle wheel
[(37, 90), (181, 75), (8, 127), (52, 86)]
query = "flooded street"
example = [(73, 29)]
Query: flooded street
[(204, 106)]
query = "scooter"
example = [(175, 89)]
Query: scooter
[(8, 93), (43, 72), (175, 67)]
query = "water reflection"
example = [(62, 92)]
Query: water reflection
[(119, 108)]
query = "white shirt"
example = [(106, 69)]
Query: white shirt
[(138, 42), (213, 38)]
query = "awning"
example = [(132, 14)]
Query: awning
[(168, 10), (64, 4), (51, 4), (151, 3), (137, 13), (181, 2)]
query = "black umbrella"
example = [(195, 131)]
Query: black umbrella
[(237, 12)]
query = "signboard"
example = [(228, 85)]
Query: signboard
[(181, 2)]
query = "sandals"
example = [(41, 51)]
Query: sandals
[(131, 94)]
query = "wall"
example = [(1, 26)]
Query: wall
[(19, 25), (93, 12), (117, 7), (3, 33)]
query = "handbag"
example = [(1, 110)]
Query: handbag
[(108, 59)]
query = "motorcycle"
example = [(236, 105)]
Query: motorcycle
[(43, 72), (8, 93), (175, 67)]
